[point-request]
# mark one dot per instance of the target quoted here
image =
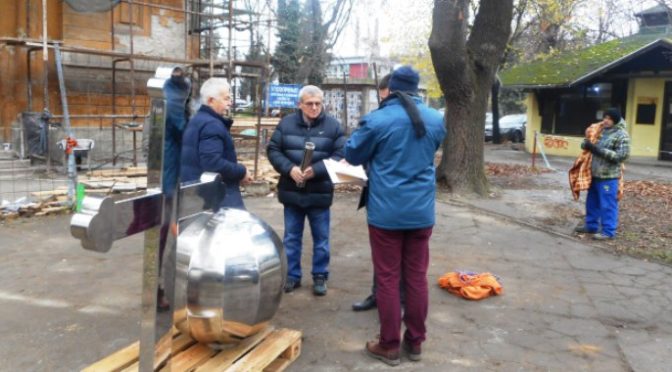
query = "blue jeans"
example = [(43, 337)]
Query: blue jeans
[(318, 218), (602, 207)]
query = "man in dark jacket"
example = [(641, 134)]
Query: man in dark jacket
[(207, 145), (309, 192), (398, 142)]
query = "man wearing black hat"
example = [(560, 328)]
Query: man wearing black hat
[(610, 150), (398, 142)]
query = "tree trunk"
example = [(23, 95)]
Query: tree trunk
[(465, 70)]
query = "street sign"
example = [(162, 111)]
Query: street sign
[(283, 95)]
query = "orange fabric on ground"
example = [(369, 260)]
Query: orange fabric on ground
[(471, 286), (580, 175)]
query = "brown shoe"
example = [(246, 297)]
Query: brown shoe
[(389, 357), (413, 352)]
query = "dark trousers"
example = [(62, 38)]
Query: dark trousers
[(401, 254)]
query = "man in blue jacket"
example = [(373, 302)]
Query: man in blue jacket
[(207, 145), (398, 142), (308, 193)]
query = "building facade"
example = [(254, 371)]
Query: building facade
[(568, 92)]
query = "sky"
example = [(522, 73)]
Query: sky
[(402, 23)]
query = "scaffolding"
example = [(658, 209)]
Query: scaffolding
[(202, 18)]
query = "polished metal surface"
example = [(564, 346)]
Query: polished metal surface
[(230, 271)]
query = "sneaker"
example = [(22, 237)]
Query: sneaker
[(292, 284), (601, 236), (583, 230), (414, 353), (319, 286), (389, 357)]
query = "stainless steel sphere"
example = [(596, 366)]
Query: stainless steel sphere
[(231, 267)]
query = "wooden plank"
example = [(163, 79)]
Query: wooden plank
[(280, 342), (190, 358), (52, 210), (227, 357), (180, 343), (119, 360)]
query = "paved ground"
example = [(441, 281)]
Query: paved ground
[(566, 305)]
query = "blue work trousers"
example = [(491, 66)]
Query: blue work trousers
[(318, 218), (602, 207)]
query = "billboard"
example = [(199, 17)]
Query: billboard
[(283, 95)]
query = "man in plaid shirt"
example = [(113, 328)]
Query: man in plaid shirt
[(610, 150)]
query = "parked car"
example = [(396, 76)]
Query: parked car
[(511, 127), (243, 105)]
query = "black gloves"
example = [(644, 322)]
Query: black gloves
[(587, 145)]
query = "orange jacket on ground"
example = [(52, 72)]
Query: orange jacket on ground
[(471, 286)]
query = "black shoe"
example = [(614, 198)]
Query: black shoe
[(368, 304), (319, 286), (292, 284), (583, 230)]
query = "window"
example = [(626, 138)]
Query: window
[(570, 111)]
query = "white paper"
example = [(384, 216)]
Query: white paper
[(345, 173)]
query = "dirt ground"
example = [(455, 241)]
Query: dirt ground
[(645, 222), (568, 304)]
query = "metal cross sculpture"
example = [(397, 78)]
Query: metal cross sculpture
[(104, 220)]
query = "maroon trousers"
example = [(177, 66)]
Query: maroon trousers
[(401, 254)]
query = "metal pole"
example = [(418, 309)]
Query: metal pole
[(72, 171), (268, 63), (211, 40), (45, 74), (375, 79), (130, 10), (256, 147), (345, 102), (230, 39), (534, 150)]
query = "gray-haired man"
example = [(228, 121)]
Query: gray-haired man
[(309, 192)]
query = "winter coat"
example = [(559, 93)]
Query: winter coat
[(615, 145), (176, 119), (207, 146), (402, 180), (286, 149)]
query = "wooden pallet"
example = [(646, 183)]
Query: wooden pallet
[(269, 350)]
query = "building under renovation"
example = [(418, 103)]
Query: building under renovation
[(95, 57)]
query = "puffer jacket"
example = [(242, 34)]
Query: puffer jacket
[(286, 148), (207, 146), (615, 145)]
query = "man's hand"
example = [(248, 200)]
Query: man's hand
[(587, 145), (308, 174), (296, 175), (247, 179)]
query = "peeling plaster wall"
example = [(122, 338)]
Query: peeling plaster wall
[(166, 38)]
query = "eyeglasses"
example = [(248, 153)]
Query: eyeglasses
[(312, 104)]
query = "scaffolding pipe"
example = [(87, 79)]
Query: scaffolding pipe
[(130, 13), (230, 40), (144, 57), (71, 169), (211, 41), (45, 74), (166, 7)]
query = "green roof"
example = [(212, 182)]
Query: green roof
[(570, 68)]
